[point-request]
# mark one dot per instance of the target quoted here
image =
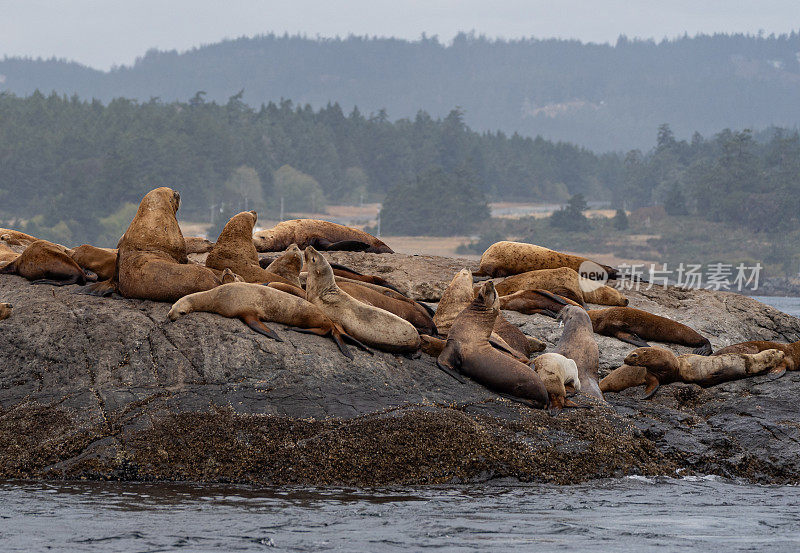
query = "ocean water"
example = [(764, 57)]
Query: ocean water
[(629, 514)]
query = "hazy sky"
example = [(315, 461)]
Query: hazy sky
[(101, 33)]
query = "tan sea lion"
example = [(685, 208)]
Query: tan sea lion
[(100, 261), (565, 282), (529, 302), (322, 235), (558, 373), (197, 244), (661, 366), (288, 265), (16, 238), (634, 326), (602, 295), (407, 310), (253, 303), (577, 343), (371, 325), (511, 258), (151, 258), (5, 310), (7, 255), (791, 351), (46, 263), (468, 352)]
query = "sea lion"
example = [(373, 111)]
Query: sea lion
[(407, 310), (661, 366), (511, 258), (234, 250), (791, 351), (151, 258), (529, 302), (468, 351), (634, 326), (288, 265), (46, 263), (577, 343), (459, 295), (7, 255), (565, 282), (322, 235), (557, 373), (253, 303), (197, 244), (16, 238), (100, 261), (371, 325), (5, 310)]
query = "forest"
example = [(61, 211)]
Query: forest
[(602, 96)]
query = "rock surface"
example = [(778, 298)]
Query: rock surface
[(102, 388)]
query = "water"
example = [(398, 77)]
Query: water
[(629, 514)]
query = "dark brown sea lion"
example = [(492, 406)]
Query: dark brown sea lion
[(511, 258), (46, 263), (577, 343), (654, 366), (253, 303), (407, 310), (529, 302), (634, 326), (468, 352), (322, 235), (791, 351), (371, 325), (101, 261), (234, 250), (151, 257), (5, 310)]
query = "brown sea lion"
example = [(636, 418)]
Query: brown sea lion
[(407, 310), (577, 343), (512, 258), (634, 326), (7, 255), (558, 373), (151, 258), (791, 351), (322, 235), (16, 238), (46, 263), (661, 366), (5, 310), (602, 295), (529, 302), (100, 261), (197, 244), (371, 325), (287, 265), (468, 352), (234, 250), (253, 303), (565, 282)]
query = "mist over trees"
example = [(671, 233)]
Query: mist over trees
[(605, 97)]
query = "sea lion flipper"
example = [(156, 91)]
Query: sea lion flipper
[(347, 246), (103, 289), (631, 338), (705, 349), (350, 340), (652, 386), (253, 322), (547, 313), (72, 280), (450, 359)]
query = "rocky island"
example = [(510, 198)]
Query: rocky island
[(110, 389)]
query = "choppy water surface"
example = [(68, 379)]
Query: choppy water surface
[(629, 514), (786, 304)]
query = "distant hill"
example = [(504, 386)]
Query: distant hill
[(601, 96)]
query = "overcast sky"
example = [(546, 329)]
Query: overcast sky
[(101, 33)]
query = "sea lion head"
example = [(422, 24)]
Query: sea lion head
[(155, 227), (487, 296), (5, 310), (180, 308), (621, 378), (659, 362), (573, 314), (317, 266), (160, 197)]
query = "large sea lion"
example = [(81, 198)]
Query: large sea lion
[(100, 261), (577, 343), (565, 282), (253, 303), (558, 373), (322, 235), (634, 326), (511, 258), (654, 366), (46, 263), (5, 310), (151, 258), (370, 325), (288, 265), (468, 351), (529, 302), (405, 309), (791, 351), (234, 250)]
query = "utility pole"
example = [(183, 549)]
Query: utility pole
[(281, 218)]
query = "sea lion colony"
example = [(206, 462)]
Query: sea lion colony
[(467, 335)]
